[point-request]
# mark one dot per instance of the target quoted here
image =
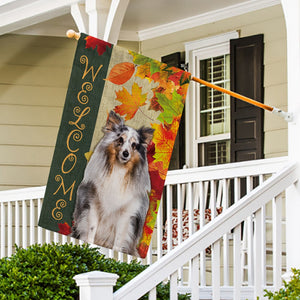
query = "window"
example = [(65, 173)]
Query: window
[(208, 110)]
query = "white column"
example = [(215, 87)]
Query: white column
[(96, 285), (98, 11), (292, 17)]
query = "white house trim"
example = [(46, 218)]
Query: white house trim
[(114, 20), (80, 16), (291, 9), (15, 16), (206, 18), (195, 50)]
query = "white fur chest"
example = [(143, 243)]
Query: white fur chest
[(115, 191)]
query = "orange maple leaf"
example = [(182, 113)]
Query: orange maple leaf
[(164, 138), (130, 102), (121, 73)]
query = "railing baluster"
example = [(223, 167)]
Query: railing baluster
[(48, 240), (202, 219), (173, 286), (212, 200), (152, 294), (190, 208), (17, 223), (258, 287), (24, 224), (2, 224), (237, 189), (225, 237), (159, 231), (32, 222), (40, 230), (249, 183), (237, 268), (179, 228), (277, 240), (9, 229), (195, 278), (215, 261), (169, 217)]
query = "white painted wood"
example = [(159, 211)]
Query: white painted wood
[(237, 267), (80, 17), (17, 223), (215, 260), (277, 241), (33, 12), (24, 224), (205, 18), (114, 20), (173, 286), (212, 201), (9, 229), (179, 228), (32, 222), (229, 219), (291, 9), (96, 283), (2, 231), (249, 232), (159, 232), (152, 294), (39, 230), (229, 171), (194, 282), (258, 256), (48, 240), (263, 246), (225, 205), (169, 216)]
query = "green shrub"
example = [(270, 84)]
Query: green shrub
[(46, 272), (290, 291)]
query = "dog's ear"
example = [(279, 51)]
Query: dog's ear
[(113, 121), (146, 134)]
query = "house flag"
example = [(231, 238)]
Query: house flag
[(118, 128)]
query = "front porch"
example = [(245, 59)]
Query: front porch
[(236, 255)]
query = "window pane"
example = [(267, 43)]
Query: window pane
[(213, 153), (214, 105)]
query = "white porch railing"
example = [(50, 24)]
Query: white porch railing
[(252, 205), (187, 191)]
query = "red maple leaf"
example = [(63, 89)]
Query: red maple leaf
[(94, 43), (64, 228)]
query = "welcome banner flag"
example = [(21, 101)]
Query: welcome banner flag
[(119, 124)]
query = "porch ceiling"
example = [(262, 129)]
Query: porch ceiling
[(143, 19)]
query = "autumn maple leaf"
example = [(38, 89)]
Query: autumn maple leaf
[(92, 42), (64, 228), (164, 138), (121, 73), (130, 102), (171, 108)]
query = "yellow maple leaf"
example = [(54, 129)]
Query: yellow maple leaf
[(130, 102), (164, 138)]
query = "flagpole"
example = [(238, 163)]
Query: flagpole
[(286, 115)]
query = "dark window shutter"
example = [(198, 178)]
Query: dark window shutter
[(246, 78), (178, 155)]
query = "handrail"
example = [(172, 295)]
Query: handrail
[(240, 169), (230, 170), (215, 229)]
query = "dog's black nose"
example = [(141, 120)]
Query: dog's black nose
[(125, 153)]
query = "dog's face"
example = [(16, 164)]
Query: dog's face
[(127, 144)]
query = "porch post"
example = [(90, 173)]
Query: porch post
[(291, 10), (96, 285)]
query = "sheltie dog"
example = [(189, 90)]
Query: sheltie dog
[(112, 199)]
